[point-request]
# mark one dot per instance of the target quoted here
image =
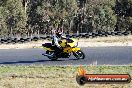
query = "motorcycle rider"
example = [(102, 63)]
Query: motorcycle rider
[(57, 36)]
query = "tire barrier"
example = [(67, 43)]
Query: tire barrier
[(10, 40), (14, 40), (3, 41), (35, 39), (42, 38), (22, 40)]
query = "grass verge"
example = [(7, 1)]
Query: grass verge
[(56, 76)]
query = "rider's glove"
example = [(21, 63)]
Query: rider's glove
[(60, 47)]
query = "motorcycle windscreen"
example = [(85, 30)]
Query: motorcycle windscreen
[(64, 42), (73, 43)]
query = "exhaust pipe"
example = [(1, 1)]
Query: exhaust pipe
[(48, 55)]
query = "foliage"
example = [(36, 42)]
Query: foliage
[(12, 17), (123, 10), (41, 16), (104, 17)]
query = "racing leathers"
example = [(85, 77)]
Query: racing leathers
[(55, 42)]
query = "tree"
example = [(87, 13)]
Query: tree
[(13, 16), (123, 10), (55, 11), (3, 26), (100, 15)]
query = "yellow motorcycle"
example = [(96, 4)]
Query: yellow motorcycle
[(69, 45)]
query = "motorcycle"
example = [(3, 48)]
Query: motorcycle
[(69, 46)]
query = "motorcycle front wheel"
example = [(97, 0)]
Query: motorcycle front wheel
[(79, 54)]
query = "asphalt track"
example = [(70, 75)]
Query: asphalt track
[(94, 55)]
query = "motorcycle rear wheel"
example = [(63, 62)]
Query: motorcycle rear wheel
[(54, 58), (79, 54)]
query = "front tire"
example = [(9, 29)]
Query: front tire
[(79, 54)]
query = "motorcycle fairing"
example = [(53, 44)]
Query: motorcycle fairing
[(69, 49), (75, 49)]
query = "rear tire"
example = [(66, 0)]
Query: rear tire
[(54, 58), (79, 54)]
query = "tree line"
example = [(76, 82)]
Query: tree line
[(27, 17)]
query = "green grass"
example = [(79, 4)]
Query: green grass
[(56, 76)]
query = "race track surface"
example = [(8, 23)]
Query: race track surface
[(94, 55)]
